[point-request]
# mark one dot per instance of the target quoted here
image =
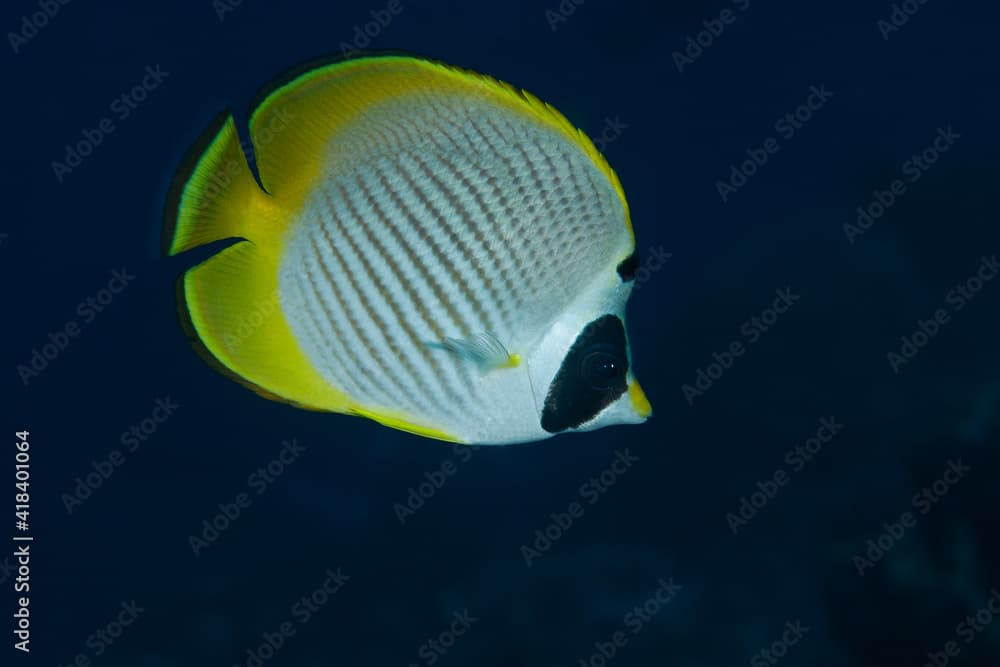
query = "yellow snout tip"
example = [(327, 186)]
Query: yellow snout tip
[(640, 404)]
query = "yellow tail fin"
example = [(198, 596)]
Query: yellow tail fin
[(214, 195)]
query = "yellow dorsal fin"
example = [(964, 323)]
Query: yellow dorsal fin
[(294, 121)]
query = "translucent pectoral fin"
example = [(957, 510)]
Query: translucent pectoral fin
[(482, 349)]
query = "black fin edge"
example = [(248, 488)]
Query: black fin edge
[(183, 174)]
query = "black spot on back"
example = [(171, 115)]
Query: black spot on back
[(629, 266)]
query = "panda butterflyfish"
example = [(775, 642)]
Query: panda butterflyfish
[(421, 245)]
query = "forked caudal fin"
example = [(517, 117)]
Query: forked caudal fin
[(214, 195)]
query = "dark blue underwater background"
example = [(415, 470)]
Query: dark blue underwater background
[(794, 580)]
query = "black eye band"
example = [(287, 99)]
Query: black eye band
[(591, 377)]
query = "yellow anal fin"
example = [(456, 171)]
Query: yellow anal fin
[(404, 423), (233, 307)]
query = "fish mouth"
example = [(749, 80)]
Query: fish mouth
[(640, 404)]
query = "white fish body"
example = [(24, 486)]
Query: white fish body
[(453, 262)]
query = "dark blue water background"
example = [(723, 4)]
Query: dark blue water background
[(664, 519)]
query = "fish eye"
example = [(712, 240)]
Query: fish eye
[(602, 366)]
